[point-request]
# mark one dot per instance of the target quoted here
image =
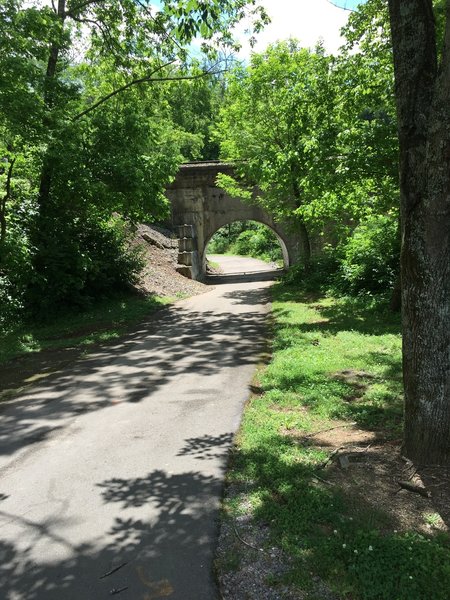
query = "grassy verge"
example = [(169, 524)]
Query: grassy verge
[(335, 372), (101, 323)]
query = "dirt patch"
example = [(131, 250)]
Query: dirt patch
[(352, 376), (365, 466), (160, 276), (342, 433), (368, 467), (369, 477)]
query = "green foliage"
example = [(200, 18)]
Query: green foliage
[(81, 260), (405, 567), (233, 187), (103, 321), (270, 122), (246, 238), (370, 257), (194, 108), (366, 262), (259, 244), (318, 275), (318, 136), (15, 271), (91, 130)]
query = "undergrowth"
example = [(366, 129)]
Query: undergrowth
[(102, 322)]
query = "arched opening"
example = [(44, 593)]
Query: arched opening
[(252, 239)]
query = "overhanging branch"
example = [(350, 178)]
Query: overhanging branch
[(147, 79), (76, 9)]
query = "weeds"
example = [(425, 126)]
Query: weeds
[(100, 323)]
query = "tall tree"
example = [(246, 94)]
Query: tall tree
[(269, 125), (422, 77)]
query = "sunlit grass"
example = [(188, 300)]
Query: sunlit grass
[(332, 359)]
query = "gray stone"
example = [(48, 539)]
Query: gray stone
[(199, 208)]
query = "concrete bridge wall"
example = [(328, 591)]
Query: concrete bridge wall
[(197, 202)]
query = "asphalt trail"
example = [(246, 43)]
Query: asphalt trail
[(111, 470)]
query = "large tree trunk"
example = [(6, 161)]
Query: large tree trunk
[(423, 106), (306, 243), (49, 89)]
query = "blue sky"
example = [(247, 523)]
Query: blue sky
[(350, 4)]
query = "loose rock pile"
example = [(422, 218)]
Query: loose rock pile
[(160, 276)]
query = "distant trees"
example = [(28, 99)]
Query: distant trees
[(270, 126), (319, 135), (247, 238)]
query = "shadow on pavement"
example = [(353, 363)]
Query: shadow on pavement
[(137, 557), (245, 277), (177, 341), (145, 559)]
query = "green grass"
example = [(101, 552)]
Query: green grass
[(353, 546), (213, 265), (103, 322)]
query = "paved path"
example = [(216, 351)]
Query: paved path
[(117, 462)]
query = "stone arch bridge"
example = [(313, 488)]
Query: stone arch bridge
[(199, 208)]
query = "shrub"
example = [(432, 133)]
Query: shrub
[(370, 257), (259, 243), (15, 272), (365, 262), (246, 238), (318, 275), (78, 261)]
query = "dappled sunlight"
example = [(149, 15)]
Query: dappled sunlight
[(135, 437), (133, 368), (318, 463), (135, 554)]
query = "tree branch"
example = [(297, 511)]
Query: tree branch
[(147, 79), (162, 31), (105, 33), (4, 200), (73, 11)]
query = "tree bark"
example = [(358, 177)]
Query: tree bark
[(304, 234), (395, 303), (306, 243), (4, 202), (423, 101)]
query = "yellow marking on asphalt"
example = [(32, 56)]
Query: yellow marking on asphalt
[(160, 589)]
